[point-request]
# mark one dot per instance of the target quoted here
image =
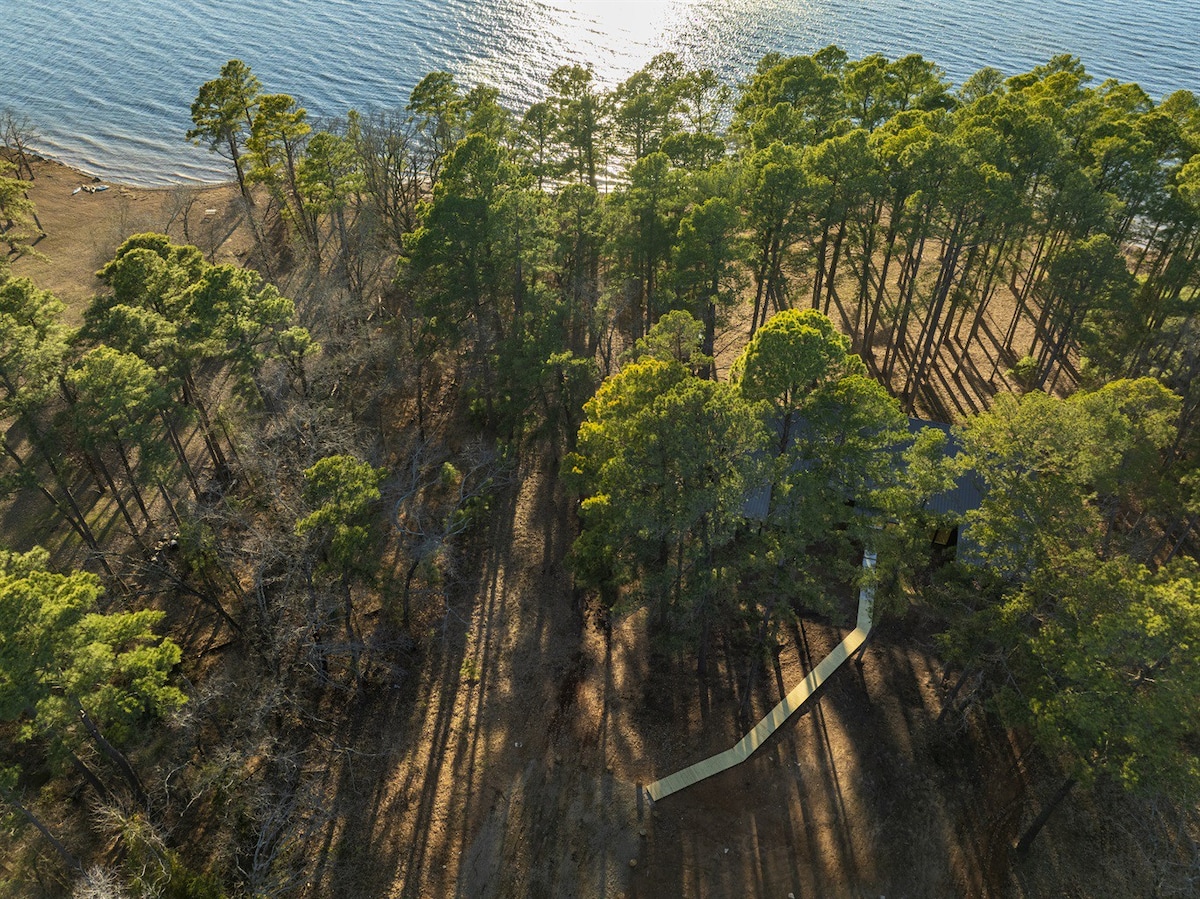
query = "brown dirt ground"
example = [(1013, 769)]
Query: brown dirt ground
[(82, 230), (516, 766), (511, 765), (507, 763)]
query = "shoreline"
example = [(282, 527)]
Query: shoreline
[(83, 228), (38, 156), (138, 160)]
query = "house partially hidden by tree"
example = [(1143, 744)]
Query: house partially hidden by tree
[(953, 504), (947, 507)]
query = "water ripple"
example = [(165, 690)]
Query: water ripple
[(109, 85)]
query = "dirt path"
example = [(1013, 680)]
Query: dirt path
[(795, 699)]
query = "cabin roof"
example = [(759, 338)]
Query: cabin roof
[(967, 493)]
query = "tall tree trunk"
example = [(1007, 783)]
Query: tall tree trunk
[(710, 330), (221, 469), (236, 157), (833, 264), (351, 634), (954, 691), (406, 595), (115, 756), (925, 349), (1183, 536), (989, 290), (170, 503), (870, 231), (893, 232), (71, 860), (898, 340), (180, 454), (820, 253), (760, 280), (71, 513), (1031, 832), (102, 792), (752, 666), (133, 484), (122, 507)]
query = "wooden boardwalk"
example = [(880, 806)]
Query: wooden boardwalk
[(791, 703)]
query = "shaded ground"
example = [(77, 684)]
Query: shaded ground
[(513, 766)]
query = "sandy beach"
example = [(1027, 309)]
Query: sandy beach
[(83, 228)]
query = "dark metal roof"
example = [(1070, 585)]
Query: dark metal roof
[(967, 493), (757, 503)]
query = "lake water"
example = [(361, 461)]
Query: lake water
[(109, 83)]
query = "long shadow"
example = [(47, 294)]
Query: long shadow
[(1001, 358), (969, 388), (28, 518), (1065, 368), (357, 849), (568, 816), (526, 823), (729, 835), (844, 313), (828, 763), (472, 754), (931, 401), (521, 657), (464, 756), (980, 386), (384, 827), (993, 354), (877, 804), (901, 747), (960, 397)]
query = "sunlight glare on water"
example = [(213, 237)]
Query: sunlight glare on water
[(614, 37), (619, 17)]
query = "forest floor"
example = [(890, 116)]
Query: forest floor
[(509, 763), (507, 757)]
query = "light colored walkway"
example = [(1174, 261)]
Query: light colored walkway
[(743, 749)]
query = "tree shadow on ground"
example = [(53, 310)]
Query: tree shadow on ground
[(845, 799), (485, 772)]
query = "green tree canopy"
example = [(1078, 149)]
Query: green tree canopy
[(789, 357), (677, 337), (33, 345), (837, 437), (63, 662), (665, 461), (223, 114), (1108, 675), (18, 218), (579, 116), (1059, 472), (341, 490)]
